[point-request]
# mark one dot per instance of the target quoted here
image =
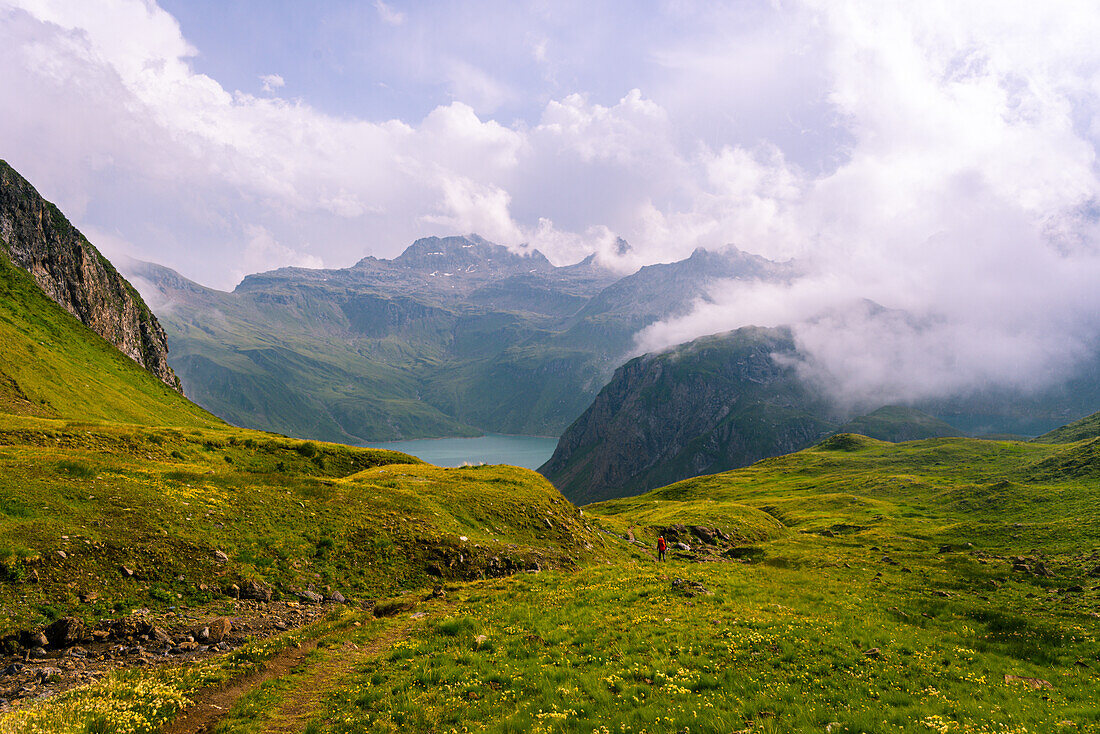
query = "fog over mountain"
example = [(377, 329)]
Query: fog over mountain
[(937, 159)]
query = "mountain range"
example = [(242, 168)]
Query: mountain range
[(454, 337)]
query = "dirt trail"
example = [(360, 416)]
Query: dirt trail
[(301, 704), (210, 706)]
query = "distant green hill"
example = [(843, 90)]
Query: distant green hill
[(713, 404), (1087, 427), (897, 423)]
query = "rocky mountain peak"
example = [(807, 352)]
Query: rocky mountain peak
[(468, 254)]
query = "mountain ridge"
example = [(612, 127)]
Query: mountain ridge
[(70, 270), (455, 336)]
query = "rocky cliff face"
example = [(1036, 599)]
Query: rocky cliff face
[(39, 239), (717, 403)]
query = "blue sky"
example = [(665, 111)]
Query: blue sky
[(935, 157)]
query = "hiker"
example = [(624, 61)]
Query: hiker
[(661, 548)]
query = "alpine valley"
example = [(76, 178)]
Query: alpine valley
[(162, 570)]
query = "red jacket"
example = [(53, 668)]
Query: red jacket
[(660, 544)]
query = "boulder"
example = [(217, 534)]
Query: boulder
[(684, 547), (337, 598), (65, 632), (256, 591), (219, 629)]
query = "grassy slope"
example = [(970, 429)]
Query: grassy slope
[(1087, 427), (286, 512), (899, 423), (53, 366), (852, 613)]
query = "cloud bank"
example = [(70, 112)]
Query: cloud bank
[(968, 201), (936, 158)]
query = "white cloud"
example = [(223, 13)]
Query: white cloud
[(968, 199), (388, 14), (934, 157), (271, 82), (263, 252)]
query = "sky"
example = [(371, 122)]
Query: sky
[(936, 158)]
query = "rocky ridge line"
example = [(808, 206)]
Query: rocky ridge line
[(39, 239)]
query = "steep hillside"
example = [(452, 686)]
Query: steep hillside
[(1087, 427), (899, 423), (716, 403), (53, 366), (453, 337), (38, 238)]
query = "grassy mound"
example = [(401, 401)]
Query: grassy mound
[(82, 506)]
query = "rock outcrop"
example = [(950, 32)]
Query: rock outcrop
[(39, 239)]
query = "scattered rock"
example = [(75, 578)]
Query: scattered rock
[(126, 571), (311, 597), (220, 557), (256, 591), (77, 652), (33, 639), (65, 632), (89, 597), (44, 674), (684, 547), (1075, 589), (481, 640), (233, 592), (690, 588), (889, 561), (939, 592), (1032, 683), (874, 652), (337, 598), (437, 593), (705, 535), (12, 669)]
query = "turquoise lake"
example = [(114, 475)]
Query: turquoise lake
[(526, 451)]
